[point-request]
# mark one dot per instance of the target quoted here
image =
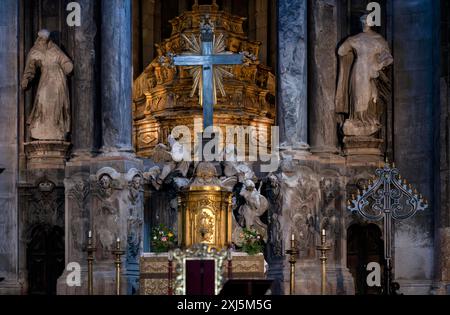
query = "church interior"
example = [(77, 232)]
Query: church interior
[(209, 147)]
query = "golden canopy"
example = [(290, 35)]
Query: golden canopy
[(162, 93)]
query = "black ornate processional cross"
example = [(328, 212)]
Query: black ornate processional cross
[(387, 198)]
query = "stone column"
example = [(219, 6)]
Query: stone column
[(416, 125), (103, 194), (82, 43), (9, 89), (84, 82), (115, 182), (292, 73), (322, 75), (116, 81)]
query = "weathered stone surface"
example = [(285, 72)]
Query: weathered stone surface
[(308, 196), (46, 154), (292, 60), (106, 197), (84, 81), (9, 87), (116, 71), (322, 71)]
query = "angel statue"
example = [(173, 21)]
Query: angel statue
[(255, 206), (361, 80), (50, 117), (173, 161)]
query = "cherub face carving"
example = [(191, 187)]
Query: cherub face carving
[(105, 182)]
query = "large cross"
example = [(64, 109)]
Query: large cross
[(208, 60)]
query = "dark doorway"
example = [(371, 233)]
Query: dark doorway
[(45, 259), (364, 245)]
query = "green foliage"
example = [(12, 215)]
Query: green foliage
[(162, 239), (252, 242)]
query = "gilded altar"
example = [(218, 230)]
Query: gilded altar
[(204, 212), (164, 95)]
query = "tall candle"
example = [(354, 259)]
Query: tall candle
[(324, 232), (293, 237), (90, 234)]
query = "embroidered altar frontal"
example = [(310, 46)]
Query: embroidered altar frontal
[(154, 271)]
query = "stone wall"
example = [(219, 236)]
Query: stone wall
[(443, 217), (9, 91)]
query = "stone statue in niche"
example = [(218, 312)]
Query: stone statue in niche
[(362, 83), (330, 212), (50, 117), (106, 205), (255, 206)]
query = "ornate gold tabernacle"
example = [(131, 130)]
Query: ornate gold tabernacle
[(204, 212), (163, 94)]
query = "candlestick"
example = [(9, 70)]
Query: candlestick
[(170, 273), (118, 263), (292, 261), (90, 249), (323, 248)]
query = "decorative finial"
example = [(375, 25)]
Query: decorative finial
[(206, 29)]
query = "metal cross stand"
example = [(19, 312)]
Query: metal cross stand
[(387, 198)]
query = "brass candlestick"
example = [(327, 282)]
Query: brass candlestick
[(170, 274), (323, 247), (292, 261), (118, 263), (90, 249)]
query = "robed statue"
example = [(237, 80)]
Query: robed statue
[(361, 82), (50, 116)]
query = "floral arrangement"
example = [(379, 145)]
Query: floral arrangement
[(252, 242), (163, 239)]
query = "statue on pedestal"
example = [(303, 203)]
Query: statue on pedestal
[(49, 120), (361, 84)]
